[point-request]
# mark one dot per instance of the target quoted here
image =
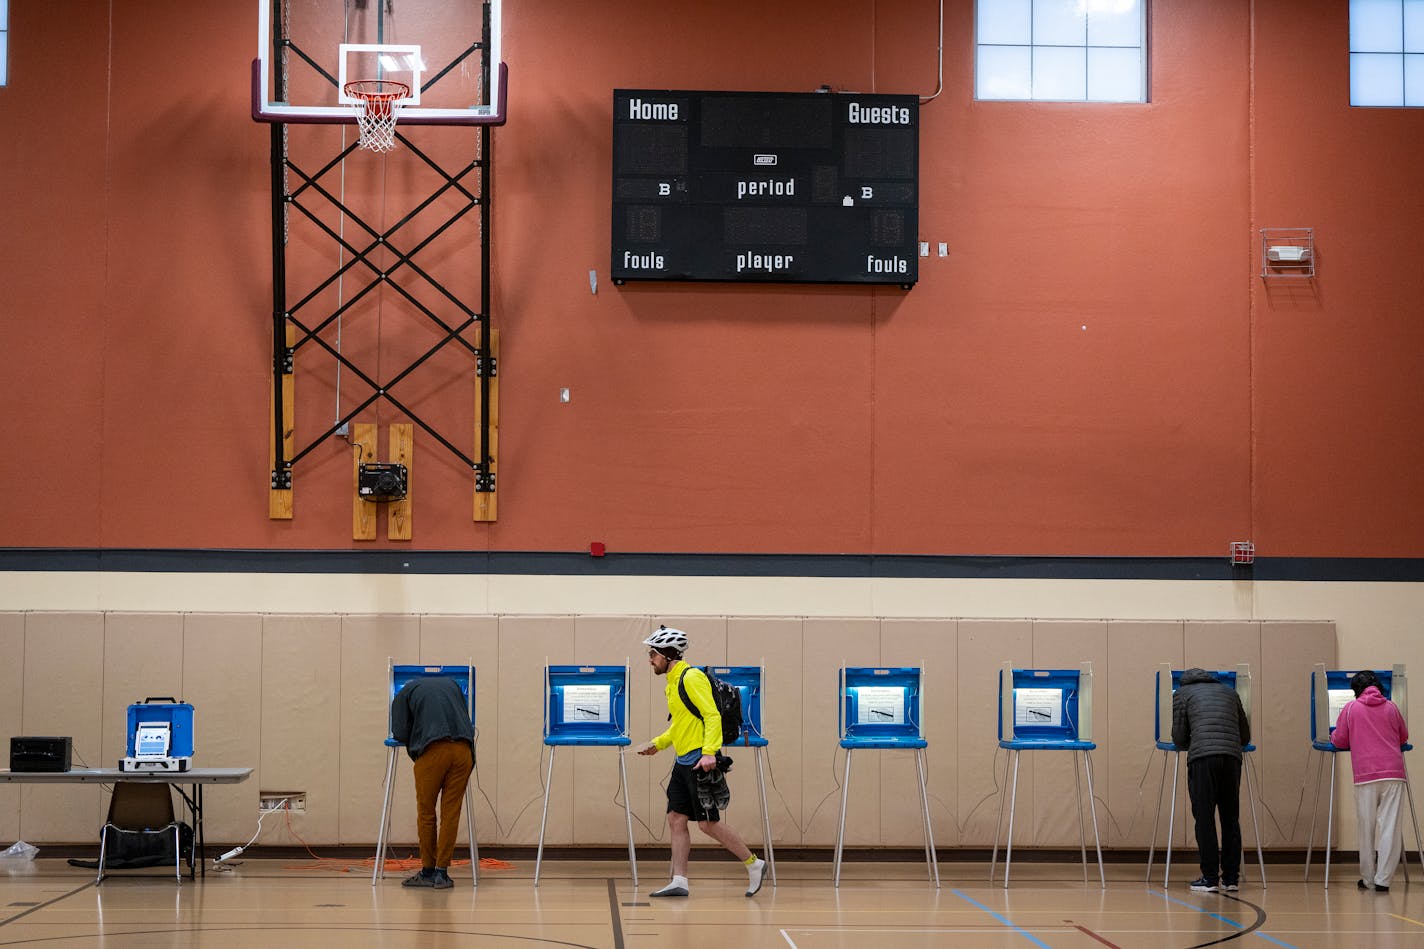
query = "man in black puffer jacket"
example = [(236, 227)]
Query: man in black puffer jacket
[(1210, 724)]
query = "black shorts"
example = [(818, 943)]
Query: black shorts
[(682, 795)]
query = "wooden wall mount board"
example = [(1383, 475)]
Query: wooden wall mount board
[(398, 513), (279, 500), (486, 501), (363, 513)]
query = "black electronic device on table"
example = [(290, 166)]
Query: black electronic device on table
[(35, 753), (784, 187)]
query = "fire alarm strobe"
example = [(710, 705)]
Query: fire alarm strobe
[(381, 481)]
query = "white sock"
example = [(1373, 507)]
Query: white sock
[(678, 887)]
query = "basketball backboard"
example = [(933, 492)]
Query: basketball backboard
[(307, 50)]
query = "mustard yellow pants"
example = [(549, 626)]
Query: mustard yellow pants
[(442, 771)]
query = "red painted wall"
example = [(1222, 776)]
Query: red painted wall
[(1095, 369)]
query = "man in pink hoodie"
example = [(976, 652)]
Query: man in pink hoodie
[(1373, 731)]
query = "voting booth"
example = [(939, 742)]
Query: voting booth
[(1046, 710), (1329, 691), (1167, 681), (749, 681), (586, 706), (882, 709), (396, 678)]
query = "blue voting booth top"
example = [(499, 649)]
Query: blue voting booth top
[(880, 707), (586, 705), (464, 677), (1161, 716), (748, 681), (1061, 735), (1340, 679)]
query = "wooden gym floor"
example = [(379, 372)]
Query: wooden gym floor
[(272, 903)]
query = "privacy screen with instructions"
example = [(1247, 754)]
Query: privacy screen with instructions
[(765, 187)]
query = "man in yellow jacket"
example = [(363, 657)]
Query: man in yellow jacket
[(696, 789)]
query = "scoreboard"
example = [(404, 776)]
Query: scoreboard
[(814, 187)]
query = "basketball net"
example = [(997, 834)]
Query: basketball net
[(377, 108)]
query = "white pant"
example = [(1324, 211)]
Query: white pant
[(1377, 811)]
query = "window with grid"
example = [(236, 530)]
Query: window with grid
[(1387, 53), (1061, 50)]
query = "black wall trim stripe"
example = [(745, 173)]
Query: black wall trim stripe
[(481, 563)]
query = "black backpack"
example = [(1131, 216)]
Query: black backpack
[(727, 698)]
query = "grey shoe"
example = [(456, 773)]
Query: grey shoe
[(421, 877), (442, 879)]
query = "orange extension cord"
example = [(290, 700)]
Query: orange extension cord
[(392, 864)]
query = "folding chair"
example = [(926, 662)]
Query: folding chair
[(145, 809)]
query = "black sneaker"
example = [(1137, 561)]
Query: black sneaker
[(1381, 889), (442, 879), (1230, 886), (1203, 885), (1362, 885), (420, 878)]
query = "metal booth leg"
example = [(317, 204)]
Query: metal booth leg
[(999, 821), (765, 818), (1414, 818), (932, 858), (1157, 817), (384, 833), (470, 824), (1314, 814), (1082, 834), (840, 833), (1171, 820), (548, 782), (1330, 821), (1093, 810), (1255, 821), (1013, 802), (628, 813)]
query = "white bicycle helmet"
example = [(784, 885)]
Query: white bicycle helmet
[(665, 637)]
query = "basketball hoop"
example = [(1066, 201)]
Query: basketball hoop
[(377, 106)]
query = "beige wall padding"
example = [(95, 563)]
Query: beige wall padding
[(303, 700)]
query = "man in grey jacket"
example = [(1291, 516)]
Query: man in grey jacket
[(1210, 724), (431, 716)]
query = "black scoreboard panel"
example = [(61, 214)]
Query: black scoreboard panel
[(814, 187)]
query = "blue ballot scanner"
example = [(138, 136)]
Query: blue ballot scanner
[(160, 736), (397, 676), (1046, 710), (1167, 681), (1329, 691)]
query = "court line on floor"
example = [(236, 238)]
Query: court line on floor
[(1016, 928), (1092, 935), (963, 930), (616, 913), (36, 909), (1407, 919), (1253, 929)]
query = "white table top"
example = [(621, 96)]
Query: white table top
[(110, 775)]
